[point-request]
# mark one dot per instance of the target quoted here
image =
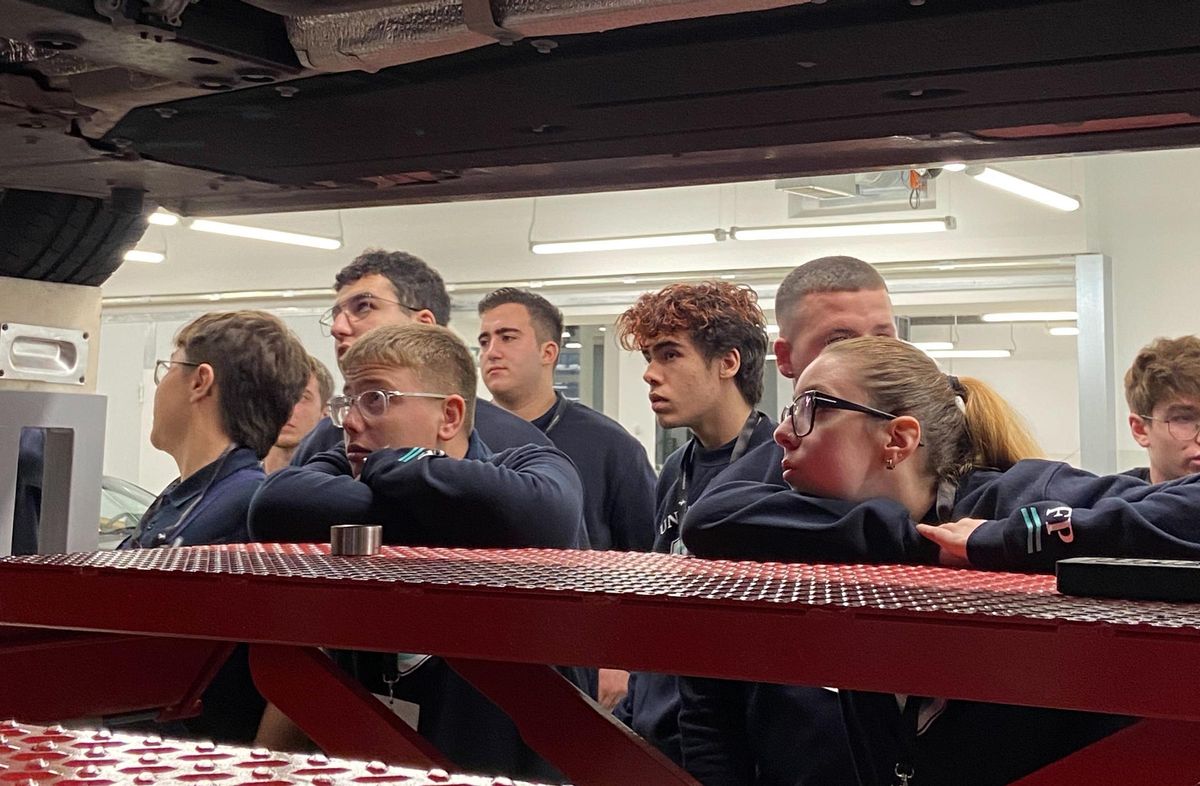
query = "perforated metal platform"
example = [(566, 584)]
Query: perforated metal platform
[(39, 756), (922, 589)]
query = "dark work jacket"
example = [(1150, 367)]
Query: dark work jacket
[(651, 707), (760, 465), (1141, 473), (219, 495), (215, 500), (498, 428), (528, 496), (618, 482), (970, 742)]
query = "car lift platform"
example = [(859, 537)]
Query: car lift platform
[(497, 616)]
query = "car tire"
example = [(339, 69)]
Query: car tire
[(67, 238)]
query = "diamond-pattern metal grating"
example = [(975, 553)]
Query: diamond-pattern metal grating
[(910, 588), (32, 755)]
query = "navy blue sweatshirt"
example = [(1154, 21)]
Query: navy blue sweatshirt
[(1035, 513), (522, 497), (651, 707), (618, 482), (498, 428)]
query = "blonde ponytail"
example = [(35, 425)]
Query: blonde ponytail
[(998, 434)]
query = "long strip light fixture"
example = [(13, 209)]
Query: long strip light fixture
[(978, 354), (270, 235), (1030, 316), (861, 229), (1023, 188), (796, 232), (138, 255)]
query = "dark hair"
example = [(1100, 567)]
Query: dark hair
[(324, 379), (546, 318), (260, 371), (717, 315), (964, 422), (825, 274), (1165, 368), (417, 285), (436, 355)]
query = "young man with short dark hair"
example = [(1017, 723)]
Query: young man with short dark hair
[(704, 345), (1162, 388), (394, 288), (308, 411), (519, 339), (414, 464)]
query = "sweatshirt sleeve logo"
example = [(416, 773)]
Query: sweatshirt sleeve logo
[(1057, 521)]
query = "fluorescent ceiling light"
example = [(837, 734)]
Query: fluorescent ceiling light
[(270, 235), (868, 229), (1023, 188), (970, 353), (624, 243), (773, 329), (136, 255), (928, 346), (1030, 316), (956, 166), (573, 345), (1064, 330), (163, 219)]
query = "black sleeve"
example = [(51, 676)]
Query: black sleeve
[(1081, 515), (713, 731), (324, 436), (300, 504), (624, 709), (523, 497), (759, 521), (631, 503)]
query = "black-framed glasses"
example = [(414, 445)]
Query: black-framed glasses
[(1184, 428), (371, 403), (161, 367), (357, 307), (802, 412)]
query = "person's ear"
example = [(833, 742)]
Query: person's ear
[(550, 353), (783, 358), (731, 363), (903, 439), (202, 383), (1138, 427), (425, 316), (454, 413)]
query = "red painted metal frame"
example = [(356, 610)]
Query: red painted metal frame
[(997, 637)]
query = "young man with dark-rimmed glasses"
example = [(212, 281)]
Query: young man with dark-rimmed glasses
[(414, 464), (394, 288)]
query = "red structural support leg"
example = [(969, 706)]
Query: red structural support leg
[(336, 712), (1162, 752), (567, 728), (55, 675)]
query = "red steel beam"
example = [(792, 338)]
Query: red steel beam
[(1162, 752)]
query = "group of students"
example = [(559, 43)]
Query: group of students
[(879, 457)]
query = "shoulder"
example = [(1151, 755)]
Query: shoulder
[(501, 429), (584, 418)]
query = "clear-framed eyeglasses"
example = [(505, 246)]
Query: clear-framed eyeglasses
[(357, 307), (802, 412), (1184, 428), (161, 367), (370, 403)]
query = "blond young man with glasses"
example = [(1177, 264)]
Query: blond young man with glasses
[(414, 464)]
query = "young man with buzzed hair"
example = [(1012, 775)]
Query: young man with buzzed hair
[(1162, 388), (414, 463), (824, 300), (307, 413), (519, 338), (394, 288)]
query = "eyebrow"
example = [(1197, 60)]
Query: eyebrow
[(667, 344), (500, 331)]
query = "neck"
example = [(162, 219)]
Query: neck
[(722, 424), (917, 494), (200, 447), (530, 405), (278, 458), (457, 446)]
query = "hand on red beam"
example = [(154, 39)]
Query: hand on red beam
[(952, 538)]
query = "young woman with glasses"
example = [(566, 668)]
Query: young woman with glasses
[(890, 460)]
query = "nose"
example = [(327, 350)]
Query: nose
[(341, 326), (651, 376), (492, 352), (352, 423), (785, 437)]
